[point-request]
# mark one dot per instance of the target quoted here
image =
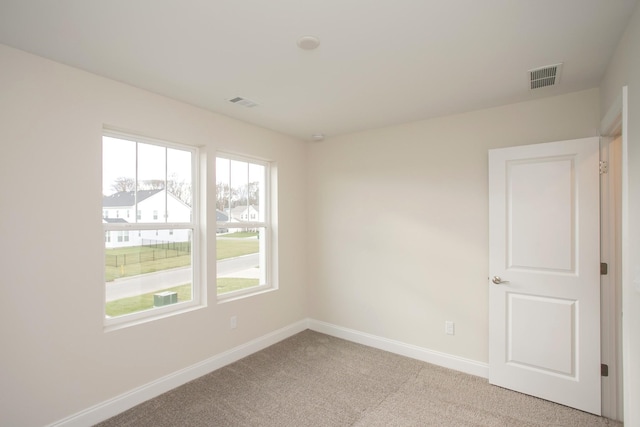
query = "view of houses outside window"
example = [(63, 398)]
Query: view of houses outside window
[(242, 232), (149, 226)]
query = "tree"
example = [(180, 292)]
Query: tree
[(246, 195), (223, 193), (179, 188), (254, 193), (123, 183), (151, 184)]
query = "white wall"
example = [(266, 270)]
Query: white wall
[(396, 225), (624, 69), (399, 235), (55, 358)]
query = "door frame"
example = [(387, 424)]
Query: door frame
[(612, 126)]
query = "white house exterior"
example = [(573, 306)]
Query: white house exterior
[(153, 206), (245, 213), (242, 214)]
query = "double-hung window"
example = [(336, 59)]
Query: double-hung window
[(243, 228), (151, 260)]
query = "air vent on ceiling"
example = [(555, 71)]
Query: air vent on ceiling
[(243, 101), (544, 76)]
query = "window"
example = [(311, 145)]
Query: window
[(242, 246), (141, 269)]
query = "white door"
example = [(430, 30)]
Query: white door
[(544, 262)]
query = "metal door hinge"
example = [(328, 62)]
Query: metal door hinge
[(604, 167), (604, 269), (604, 370)]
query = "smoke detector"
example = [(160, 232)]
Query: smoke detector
[(238, 100), (308, 42), (544, 76)]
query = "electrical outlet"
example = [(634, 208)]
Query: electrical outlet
[(234, 322), (449, 327)]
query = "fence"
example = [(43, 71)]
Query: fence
[(150, 250), (162, 244)]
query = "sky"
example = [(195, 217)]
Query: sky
[(154, 162)]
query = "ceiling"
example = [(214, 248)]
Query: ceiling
[(379, 62)]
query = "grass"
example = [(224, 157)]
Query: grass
[(240, 234), (168, 259), (144, 302), (128, 270), (230, 284), (235, 248)]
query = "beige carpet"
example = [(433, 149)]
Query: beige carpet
[(313, 379)]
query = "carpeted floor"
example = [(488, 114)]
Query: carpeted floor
[(313, 379)]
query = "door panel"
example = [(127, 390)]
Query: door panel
[(536, 324), (544, 247), (544, 241)]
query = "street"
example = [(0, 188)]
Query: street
[(243, 266)]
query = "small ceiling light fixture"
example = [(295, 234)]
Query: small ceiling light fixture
[(308, 42), (317, 137)]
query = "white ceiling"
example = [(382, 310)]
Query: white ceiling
[(379, 62)]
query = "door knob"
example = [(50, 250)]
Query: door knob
[(498, 281)]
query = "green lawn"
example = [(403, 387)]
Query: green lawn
[(164, 259), (144, 302), (126, 270), (241, 234), (229, 284), (235, 247), (161, 259)]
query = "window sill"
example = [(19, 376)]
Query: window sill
[(122, 322), (245, 293)]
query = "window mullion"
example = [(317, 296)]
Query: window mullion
[(166, 185), (135, 186)]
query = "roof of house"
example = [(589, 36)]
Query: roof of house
[(126, 198), (115, 220), (221, 216)]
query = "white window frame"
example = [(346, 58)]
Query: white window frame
[(198, 294), (267, 245)]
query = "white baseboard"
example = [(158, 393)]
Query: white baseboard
[(121, 403), (461, 364)]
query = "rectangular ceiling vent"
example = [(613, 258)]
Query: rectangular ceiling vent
[(238, 100), (544, 76)]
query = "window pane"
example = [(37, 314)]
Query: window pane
[(146, 269), (256, 191), (223, 190), (240, 260), (239, 190), (118, 165), (241, 243), (152, 168), (179, 185)]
